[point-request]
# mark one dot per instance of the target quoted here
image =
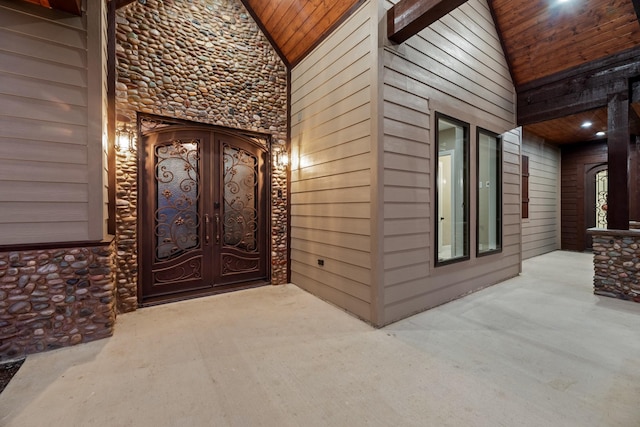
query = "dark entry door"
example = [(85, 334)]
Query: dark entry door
[(596, 199), (203, 213)]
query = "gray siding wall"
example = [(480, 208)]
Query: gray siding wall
[(456, 67), (362, 189), (541, 231), (52, 168), (331, 167)]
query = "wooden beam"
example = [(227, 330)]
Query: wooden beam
[(582, 88), (634, 159), (635, 92), (409, 17), (618, 139), (634, 178)]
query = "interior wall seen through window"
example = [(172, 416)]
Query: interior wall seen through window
[(452, 189)]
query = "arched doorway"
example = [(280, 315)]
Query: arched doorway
[(595, 212)]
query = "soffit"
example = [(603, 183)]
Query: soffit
[(569, 129), (544, 37), (296, 26)]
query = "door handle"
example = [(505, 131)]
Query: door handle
[(217, 229), (207, 221)]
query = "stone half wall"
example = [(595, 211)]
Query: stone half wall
[(51, 298), (206, 61), (616, 263)]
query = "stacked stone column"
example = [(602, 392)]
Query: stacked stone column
[(617, 263)]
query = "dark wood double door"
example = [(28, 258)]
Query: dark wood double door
[(203, 211)]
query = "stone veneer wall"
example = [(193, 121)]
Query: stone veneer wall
[(205, 61), (54, 298), (617, 263), (126, 213)]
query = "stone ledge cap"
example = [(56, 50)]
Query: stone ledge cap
[(608, 232)]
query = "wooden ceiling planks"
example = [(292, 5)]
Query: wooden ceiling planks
[(541, 39), (311, 29), (314, 30), (274, 12), (567, 130), (300, 18), (296, 26)]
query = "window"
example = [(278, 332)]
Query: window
[(452, 190), (525, 186), (489, 200)]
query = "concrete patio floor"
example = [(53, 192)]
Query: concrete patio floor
[(537, 350)]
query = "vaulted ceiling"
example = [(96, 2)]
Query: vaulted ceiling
[(540, 37), (295, 26), (543, 37)]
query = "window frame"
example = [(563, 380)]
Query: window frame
[(466, 190), (499, 198)]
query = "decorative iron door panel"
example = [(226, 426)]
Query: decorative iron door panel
[(202, 213), (173, 251), (242, 212), (596, 199)]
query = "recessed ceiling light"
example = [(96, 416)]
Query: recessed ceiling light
[(586, 125), (600, 133)]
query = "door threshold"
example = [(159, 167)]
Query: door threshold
[(169, 298)]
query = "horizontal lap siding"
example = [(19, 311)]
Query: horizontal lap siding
[(455, 63), (331, 168), (541, 231), (511, 198), (44, 160), (413, 288), (407, 173)]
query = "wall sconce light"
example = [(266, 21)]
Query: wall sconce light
[(280, 155), (125, 139)]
